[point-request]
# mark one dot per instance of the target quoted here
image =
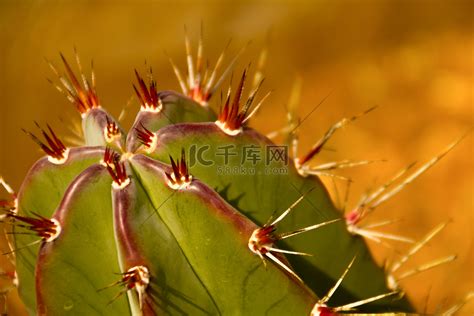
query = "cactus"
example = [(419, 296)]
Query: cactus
[(193, 212)]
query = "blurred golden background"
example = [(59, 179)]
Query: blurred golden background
[(412, 58)]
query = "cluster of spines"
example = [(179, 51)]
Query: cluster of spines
[(232, 116), (321, 307), (368, 203), (135, 278), (47, 229), (179, 177), (111, 131), (302, 162), (200, 84), (263, 239), (54, 148), (116, 168), (148, 94), (84, 95), (147, 138)]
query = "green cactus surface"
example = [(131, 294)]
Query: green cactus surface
[(191, 213)]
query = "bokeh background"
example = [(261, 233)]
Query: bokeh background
[(412, 58)]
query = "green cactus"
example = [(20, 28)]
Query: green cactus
[(126, 225)]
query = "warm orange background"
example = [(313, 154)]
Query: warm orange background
[(412, 58)]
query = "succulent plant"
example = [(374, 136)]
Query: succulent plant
[(193, 212)]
